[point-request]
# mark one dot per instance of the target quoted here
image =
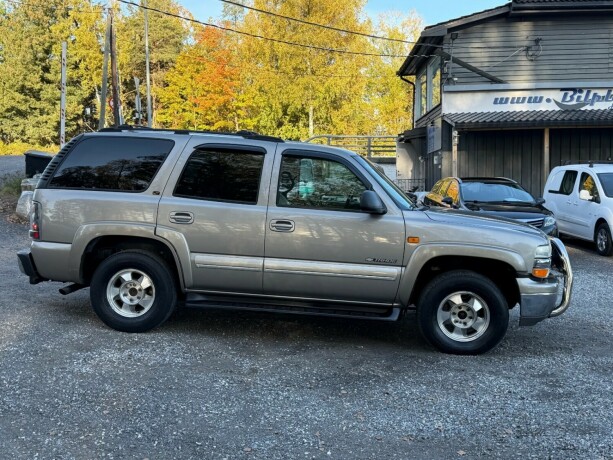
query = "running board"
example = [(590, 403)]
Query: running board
[(389, 314)]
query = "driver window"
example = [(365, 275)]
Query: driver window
[(318, 183), (587, 183)]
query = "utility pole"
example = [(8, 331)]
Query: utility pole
[(115, 74), (138, 116), (105, 72), (63, 98), (149, 107)]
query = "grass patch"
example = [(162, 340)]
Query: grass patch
[(10, 185)]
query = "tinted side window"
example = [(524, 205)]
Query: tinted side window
[(453, 192), (436, 187), (222, 174), (587, 183), (318, 183), (568, 182), (112, 163)]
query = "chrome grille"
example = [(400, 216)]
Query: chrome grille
[(538, 223)]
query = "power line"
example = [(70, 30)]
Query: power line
[(323, 26), (353, 32), (276, 40)]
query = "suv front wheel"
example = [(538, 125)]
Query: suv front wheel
[(133, 291), (462, 312)]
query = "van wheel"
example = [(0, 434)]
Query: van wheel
[(463, 313), (133, 291), (604, 245)]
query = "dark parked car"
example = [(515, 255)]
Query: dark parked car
[(497, 196)]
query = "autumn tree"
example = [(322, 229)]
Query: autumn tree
[(30, 42), (168, 36), (297, 91), (391, 99), (200, 89)]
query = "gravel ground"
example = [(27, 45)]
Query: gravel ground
[(12, 164), (235, 385)]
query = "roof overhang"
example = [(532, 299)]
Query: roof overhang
[(433, 36), (530, 119), (559, 6)]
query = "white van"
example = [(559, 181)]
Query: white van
[(581, 199)]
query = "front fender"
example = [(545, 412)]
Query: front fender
[(425, 253)]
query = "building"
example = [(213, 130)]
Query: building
[(512, 91)]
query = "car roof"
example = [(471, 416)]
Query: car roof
[(491, 180), (595, 166), (143, 131)]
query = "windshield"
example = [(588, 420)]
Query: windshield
[(395, 193), (484, 192), (606, 180)]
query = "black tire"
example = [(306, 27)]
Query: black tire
[(602, 238), (157, 302), (490, 315)]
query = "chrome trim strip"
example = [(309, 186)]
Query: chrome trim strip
[(226, 262), (568, 278), (331, 269)]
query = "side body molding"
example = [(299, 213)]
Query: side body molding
[(424, 253)]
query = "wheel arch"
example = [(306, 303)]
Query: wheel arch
[(501, 272), (100, 248)]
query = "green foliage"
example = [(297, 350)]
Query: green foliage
[(19, 148), (203, 78), (11, 185)]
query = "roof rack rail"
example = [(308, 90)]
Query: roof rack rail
[(591, 163), (243, 133)]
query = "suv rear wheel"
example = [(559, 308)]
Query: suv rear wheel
[(462, 312), (604, 245), (133, 291)]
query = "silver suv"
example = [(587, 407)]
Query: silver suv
[(152, 219)]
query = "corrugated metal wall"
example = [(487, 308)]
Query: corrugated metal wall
[(575, 47), (517, 155), (580, 145)]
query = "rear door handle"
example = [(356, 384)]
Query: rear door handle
[(282, 225), (181, 217)]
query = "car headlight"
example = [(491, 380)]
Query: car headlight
[(542, 261), (549, 221), (543, 252)]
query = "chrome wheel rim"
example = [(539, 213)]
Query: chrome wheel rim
[(463, 316), (130, 293), (602, 240)]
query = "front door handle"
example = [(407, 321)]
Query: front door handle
[(181, 217), (282, 225)]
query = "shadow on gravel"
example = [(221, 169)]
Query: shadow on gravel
[(280, 329)]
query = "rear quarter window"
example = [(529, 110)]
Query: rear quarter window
[(112, 164)]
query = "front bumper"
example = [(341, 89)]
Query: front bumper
[(547, 298), (27, 266)]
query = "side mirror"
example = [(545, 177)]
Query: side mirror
[(539, 201), (448, 201), (371, 203), (585, 195)]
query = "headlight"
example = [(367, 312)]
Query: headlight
[(543, 252), (542, 261), (549, 221)]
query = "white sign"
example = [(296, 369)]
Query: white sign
[(434, 136), (515, 100)]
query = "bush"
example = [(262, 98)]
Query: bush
[(10, 185), (19, 148)]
